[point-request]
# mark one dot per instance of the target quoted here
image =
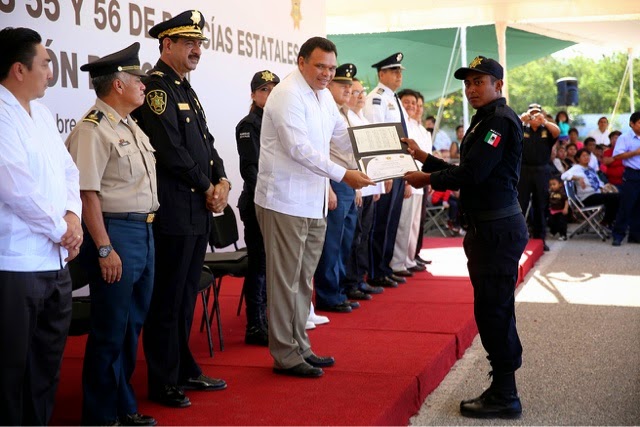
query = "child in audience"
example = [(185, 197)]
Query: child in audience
[(562, 120), (558, 208), (448, 199)]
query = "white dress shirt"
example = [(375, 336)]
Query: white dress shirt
[(381, 106), (294, 165), (422, 137), (602, 138), (38, 185)]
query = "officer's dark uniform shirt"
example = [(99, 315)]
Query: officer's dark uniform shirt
[(187, 162), (537, 146), (489, 161), (248, 140)]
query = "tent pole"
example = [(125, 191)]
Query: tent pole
[(631, 97), (463, 59), (501, 35)]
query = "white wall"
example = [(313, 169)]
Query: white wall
[(245, 36)]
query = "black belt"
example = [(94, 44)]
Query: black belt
[(131, 216), (485, 216)]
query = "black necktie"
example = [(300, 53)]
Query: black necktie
[(404, 123)]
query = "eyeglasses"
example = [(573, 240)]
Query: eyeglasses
[(358, 92)]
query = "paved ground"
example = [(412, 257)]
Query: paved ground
[(579, 321)]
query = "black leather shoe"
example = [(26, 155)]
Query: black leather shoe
[(403, 273), (344, 307), (398, 279), (491, 404), (137, 419), (368, 289), (353, 304), (545, 247), (170, 396), (384, 282), (256, 336), (358, 294), (421, 260), (320, 361), (418, 268), (204, 383), (616, 242), (303, 370)]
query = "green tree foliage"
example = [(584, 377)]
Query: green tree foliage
[(599, 81)]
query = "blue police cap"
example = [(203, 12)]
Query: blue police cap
[(125, 60), (393, 61)]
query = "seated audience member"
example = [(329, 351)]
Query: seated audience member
[(561, 162), (573, 138), (558, 208), (601, 133), (441, 141), (590, 146), (589, 187), (448, 199), (454, 150), (572, 149), (614, 167), (562, 120)]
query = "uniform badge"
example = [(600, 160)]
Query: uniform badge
[(94, 117), (376, 101), (183, 106), (380, 91), (492, 138), (544, 134), (157, 101), (123, 143), (157, 73), (267, 76), (526, 135), (391, 106), (244, 135)]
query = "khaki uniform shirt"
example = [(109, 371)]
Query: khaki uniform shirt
[(115, 159), (339, 156)]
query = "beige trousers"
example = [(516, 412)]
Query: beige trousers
[(293, 246)]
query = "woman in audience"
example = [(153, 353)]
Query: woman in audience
[(572, 149), (589, 187)]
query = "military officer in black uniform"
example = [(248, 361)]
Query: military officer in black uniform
[(487, 177), (540, 135), (191, 185), (248, 140)]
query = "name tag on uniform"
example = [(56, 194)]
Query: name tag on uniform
[(123, 143), (183, 106)]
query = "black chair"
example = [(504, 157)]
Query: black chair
[(588, 217), (80, 305), (207, 282), (224, 233)]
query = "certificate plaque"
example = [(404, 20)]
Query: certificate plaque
[(379, 152)]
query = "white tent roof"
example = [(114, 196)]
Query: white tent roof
[(614, 23)]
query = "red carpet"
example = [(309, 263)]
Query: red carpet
[(390, 354)]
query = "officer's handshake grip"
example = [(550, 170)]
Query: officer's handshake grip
[(356, 179)]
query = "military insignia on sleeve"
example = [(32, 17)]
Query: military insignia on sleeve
[(376, 101), (157, 101), (492, 138), (158, 73), (380, 91), (244, 135), (94, 117)]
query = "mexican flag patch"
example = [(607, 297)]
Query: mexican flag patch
[(492, 138)]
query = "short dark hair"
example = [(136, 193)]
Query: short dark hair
[(588, 140), (17, 45), (556, 179), (316, 42), (408, 92), (458, 127), (574, 130), (102, 84), (580, 151), (431, 118), (571, 144), (557, 120), (617, 132), (634, 117)]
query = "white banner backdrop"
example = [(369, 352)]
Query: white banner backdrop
[(245, 36)]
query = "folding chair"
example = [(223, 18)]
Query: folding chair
[(435, 219), (224, 233), (588, 216)]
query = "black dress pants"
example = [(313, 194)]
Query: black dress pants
[(35, 313)]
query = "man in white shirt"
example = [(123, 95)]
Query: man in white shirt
[(601, 133), (40, 232), (291, 197), (383, 106)]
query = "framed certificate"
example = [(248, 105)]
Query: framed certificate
[(379, 152)]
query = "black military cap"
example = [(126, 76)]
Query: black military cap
[(345, 73), (125, 60), (394, 61), (261, 78), (187, 25), (481, 65)]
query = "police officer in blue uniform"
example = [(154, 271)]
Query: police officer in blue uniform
[(490, 156), (248, 140), (191, 184)]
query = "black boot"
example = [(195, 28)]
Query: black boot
[(255, 335), (500, 400)]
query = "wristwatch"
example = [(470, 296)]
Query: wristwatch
[(228, 182), (104, 251)]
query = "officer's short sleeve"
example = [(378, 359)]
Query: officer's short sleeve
[(90, 153), (375, 109)]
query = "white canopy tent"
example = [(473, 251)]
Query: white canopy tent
[(614, 24)]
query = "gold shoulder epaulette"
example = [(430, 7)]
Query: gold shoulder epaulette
[(94, 116)]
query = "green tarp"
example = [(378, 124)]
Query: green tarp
[(427, 53)]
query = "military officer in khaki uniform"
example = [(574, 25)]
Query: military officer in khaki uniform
[(119, 194)]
